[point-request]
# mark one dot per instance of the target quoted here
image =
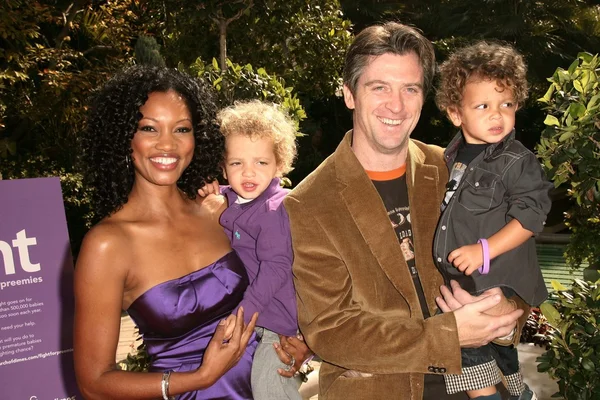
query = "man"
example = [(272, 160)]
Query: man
[(362, 227)]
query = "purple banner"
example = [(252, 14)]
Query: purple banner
[(36, 293)]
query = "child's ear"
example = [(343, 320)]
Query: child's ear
[(224, 171), (279, 171), (454, 116)]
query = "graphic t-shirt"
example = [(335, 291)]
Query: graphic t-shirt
[(392, 188)]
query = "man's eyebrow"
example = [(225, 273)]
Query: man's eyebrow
[(380, 82), (376, 82), (415, 84)]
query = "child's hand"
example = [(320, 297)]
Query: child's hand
[(210, 188), (467, 258), (229, 327)]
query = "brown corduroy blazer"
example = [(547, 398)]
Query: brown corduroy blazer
[(357, 305)]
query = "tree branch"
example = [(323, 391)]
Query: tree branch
[(96, 48), (223, 22), (68, 17)]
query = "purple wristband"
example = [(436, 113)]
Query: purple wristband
[(483, 270)]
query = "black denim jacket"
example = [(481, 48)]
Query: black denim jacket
[(502, 183)]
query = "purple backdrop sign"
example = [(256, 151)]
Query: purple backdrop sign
[(36, 293)]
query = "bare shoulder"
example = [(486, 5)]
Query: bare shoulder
[(104, 249), (106, 236)]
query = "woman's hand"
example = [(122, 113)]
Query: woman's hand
[(221, 356), (292, 348)]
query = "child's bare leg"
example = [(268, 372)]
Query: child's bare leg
[(488, 391)]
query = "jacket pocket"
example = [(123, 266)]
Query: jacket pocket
[(477, 192)]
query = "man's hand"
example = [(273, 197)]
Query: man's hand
[(456, 297), (468, 258), (209, 188), (475, 328)]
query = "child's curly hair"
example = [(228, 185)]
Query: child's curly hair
[(481, 61), (257, 119), (114, 114)]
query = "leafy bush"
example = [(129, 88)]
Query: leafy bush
[(244, 83), (147, 52), (573, 357), (570, 151), (536, 329), (138, 360)]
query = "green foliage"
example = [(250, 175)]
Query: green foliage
[(244, 83), (570, 150), (147, 52), (583, 247), (138, 360), (302, 41), (573, 356), (51, 58), (570, 147)]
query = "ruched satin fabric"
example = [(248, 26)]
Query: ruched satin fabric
[(178, 318)]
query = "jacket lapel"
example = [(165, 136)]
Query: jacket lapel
[(425, 197), (364, 204)]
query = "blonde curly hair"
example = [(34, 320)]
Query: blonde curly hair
[(258, 119), (482, 60)]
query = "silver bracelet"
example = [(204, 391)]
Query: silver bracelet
[(164, 385)]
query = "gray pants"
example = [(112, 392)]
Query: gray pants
[(267, 384)]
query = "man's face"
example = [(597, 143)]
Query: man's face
[(387, 104)]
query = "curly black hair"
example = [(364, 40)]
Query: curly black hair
[(482, 60), (114, 114)]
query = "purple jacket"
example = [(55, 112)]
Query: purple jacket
[(259, 232)]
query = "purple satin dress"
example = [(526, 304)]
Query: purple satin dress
[(178, 318)]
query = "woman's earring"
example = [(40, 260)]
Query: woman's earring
[(128, 163)]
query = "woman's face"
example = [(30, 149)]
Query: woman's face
[(163, 145)]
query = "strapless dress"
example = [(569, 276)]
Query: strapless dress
[(178, 318)]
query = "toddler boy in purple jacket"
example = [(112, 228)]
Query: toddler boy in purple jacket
[(260, 143)]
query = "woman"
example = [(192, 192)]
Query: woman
[(150, 143)]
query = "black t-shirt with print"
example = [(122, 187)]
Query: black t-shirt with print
[(394, 194)]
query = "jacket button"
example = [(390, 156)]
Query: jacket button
[(439, 259), (443, 227), (431, 369), (443, 370), (476, 184)]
